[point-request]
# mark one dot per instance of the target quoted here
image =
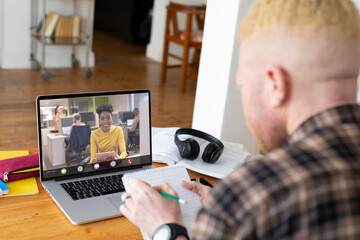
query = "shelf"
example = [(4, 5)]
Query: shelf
[(62, 40), (60, 25)]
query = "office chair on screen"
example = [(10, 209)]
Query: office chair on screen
[(80, 139), (133, 141), (187, 38)]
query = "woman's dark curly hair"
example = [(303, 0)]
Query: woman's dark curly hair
[(104, 107)]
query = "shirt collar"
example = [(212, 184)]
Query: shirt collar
[(329, 117)]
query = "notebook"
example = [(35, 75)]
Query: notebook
[(3, 188), (173, 175), (85, 190), (26, 186)]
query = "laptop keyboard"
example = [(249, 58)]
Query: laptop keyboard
[(94, 187)]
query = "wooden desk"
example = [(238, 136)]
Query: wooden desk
[(38, 217)]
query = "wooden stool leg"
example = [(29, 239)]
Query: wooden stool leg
[(185, 57), (164, 61), (196, 62), (184, 67), (166, 48)]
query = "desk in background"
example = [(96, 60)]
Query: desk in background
[(56, 149), (53, 145), (38, 217)]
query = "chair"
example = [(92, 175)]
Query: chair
[(188, 38), (80, 139), (133, 141)]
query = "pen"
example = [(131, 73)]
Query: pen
[(182, 201)]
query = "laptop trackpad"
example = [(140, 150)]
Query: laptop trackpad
[(115, 201)]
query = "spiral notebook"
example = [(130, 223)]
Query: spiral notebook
[(173, 175)]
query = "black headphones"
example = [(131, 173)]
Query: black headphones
[(190, 148)]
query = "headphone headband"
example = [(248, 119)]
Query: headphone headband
[(197, 133)]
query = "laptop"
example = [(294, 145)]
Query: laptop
[(85, 190), (129, 122)]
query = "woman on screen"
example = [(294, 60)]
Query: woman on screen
[(56, 115), (108, 137), (77, 120)]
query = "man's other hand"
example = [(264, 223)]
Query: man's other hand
[(200, 189)]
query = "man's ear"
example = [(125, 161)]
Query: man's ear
[(277, 85)]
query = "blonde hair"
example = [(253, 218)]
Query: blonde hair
[(77, 116), (313, 15)]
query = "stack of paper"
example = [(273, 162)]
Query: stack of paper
[(164, 150)]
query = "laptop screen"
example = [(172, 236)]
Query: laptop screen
[(66, 130), (129, 122), (95, 142)]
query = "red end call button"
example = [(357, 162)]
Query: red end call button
[(130, 161)]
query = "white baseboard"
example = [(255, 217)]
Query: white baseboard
[(56, 57), (1, 53), (155, 53), (15, 60)]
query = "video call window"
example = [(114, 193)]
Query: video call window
[(77, 133)]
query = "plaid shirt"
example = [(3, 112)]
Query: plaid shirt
[(308, 189)]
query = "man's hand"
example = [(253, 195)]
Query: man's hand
[(147, 209), (200, 189)]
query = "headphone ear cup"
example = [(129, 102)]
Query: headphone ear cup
[(211, 153), (189, 149)]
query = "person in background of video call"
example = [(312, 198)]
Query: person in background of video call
[(56, 115), (134, 129), (108, 137), (77, 120)]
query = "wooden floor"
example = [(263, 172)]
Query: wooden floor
[(119, 66)]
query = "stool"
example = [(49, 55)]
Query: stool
[(187, 38)]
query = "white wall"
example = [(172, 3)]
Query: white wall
[(16, 35), (238, 132), (119, 102), (218, 103), (357, 2), (2, 6), (16, 22), (154, 49)]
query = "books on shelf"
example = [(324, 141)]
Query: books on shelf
[(164, 150), (62, 28), (47, 22), (50, 29), (76, 26)]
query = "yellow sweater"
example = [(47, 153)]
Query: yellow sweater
[(107, 141)]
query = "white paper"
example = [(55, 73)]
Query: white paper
[(164, 150), (173, 175)]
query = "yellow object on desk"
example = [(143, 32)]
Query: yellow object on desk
[(27, 170), (12, 154), (25, 186)]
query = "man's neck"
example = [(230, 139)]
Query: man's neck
[(306, 113), (316, 96)]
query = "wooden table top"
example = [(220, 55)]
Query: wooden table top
[(38, 217)]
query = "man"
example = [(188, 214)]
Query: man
[(298, 67)]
